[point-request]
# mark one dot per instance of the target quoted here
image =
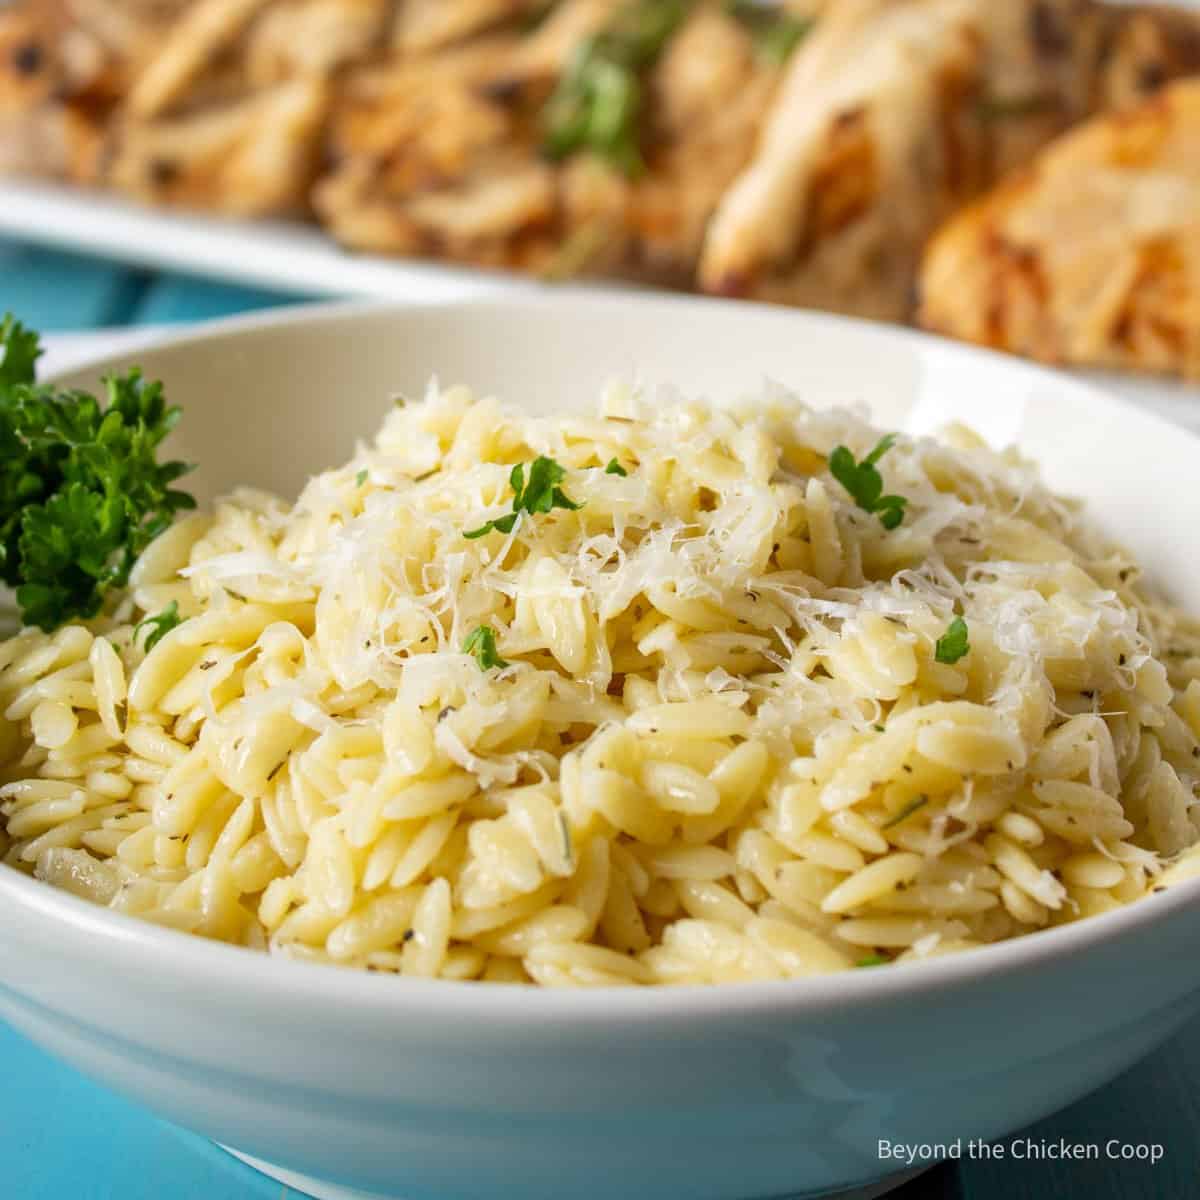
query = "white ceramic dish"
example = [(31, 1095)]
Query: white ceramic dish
[(288, 256), (419, 1090)]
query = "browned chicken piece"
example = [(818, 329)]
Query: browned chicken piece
[(708, 96), (424, 25), (438, 154), (1141, 50), (231, 113), (441, 154), (1091, 255), (65, 65), (247, 158), (893, 113)]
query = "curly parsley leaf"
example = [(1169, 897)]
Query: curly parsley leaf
[(482, 644), (539, 495), (82, 493), (615, 468), (953, 644), (20, 348), (159, 625), (864, 483)]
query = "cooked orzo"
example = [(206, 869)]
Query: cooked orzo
[(691, 696)]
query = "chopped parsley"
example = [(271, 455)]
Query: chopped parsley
[(953, 644), (776, 32), (361, 477), (82, 493), (597, 105), (564, 828), (906, 812), (873, 960), (864, 483), (482, 644), (159, 625), (615, 468), (539, 495)]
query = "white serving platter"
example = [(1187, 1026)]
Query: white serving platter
[(301, 259), (288, 256)]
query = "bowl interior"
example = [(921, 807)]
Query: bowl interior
[(270, 401)]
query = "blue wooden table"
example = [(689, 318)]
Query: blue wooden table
[(62, 1138)]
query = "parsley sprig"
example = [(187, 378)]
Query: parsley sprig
[(597, 104), (19, 351), (539, 495), (864, 483), (482, 644), (615, 468), (953, 644), (81, 491), (159, 625)]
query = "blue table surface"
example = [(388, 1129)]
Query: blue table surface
[(63, 1138)]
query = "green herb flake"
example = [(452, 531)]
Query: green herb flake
[(953, 644), (864, 483), (1005, 108), (615, 468), (878, 728), (82, 493), (564, 829), (776, 32), (482, 644), (873, 960), (159, 625), (361, 477), (539, 495), (906, 812), (597, 105)]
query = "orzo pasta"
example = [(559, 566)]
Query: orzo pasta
[(681, 700)]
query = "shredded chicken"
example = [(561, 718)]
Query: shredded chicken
[(65, 67), (1089, 256), (881, 130), (811, 175), (231, 113)]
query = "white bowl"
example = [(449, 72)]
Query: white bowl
[(411, 1089)]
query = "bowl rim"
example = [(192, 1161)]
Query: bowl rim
[(192, 959)]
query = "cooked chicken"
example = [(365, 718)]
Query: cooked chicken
[(444, 153), (801, 152), (1089, 256), (439, 154), (231, 113), (231, 47), (247, 158), (1142, 50), (892, 114), (424, 25), (65, 65), (708, 96)]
